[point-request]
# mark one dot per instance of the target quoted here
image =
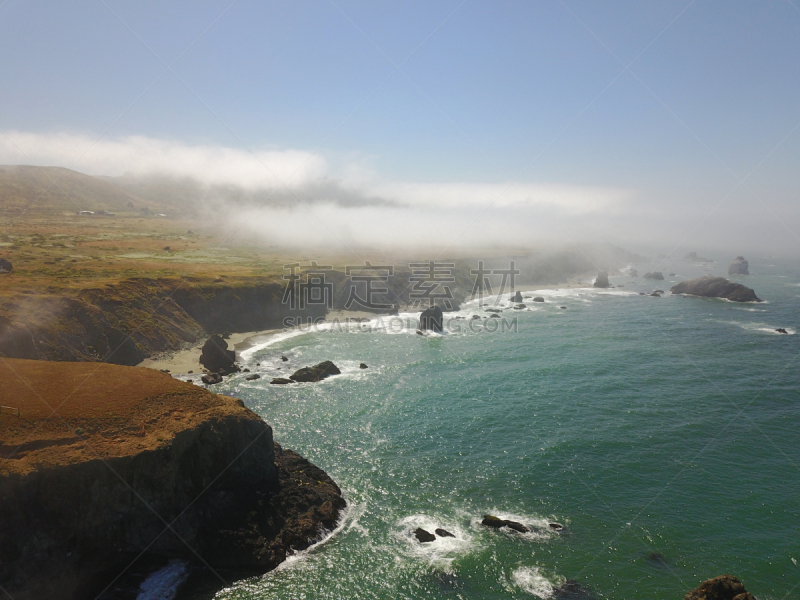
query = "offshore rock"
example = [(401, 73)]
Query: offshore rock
[(496, 522), (538, 299), (692, 257), (211, 378), (602, 280), (423, 536), (724, 587), (318, 372), (281, 381), (517, 297), (715, 287), (431, 319), (654, 275), (444, 533), (739, 266)]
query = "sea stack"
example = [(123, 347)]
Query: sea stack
[(692, 257), (517, 297), (602, 280), (216, 356), (739, 266), (431, 319), (654, 275), (716, 287)]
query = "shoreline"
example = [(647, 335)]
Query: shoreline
[(187, 360)]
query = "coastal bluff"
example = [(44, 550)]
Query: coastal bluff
[(108, 465)]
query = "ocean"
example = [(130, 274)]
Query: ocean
[(662, 433)]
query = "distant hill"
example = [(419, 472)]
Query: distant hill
[(24, 188)]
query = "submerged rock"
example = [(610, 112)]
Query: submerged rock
[(572, 590), (724, 587), (555, 526), (281, 381), (253, 377), (431, 319), (654, 275), (692, 257), (215, 355), (709, 286), (318, 372), (423, 536), (739, 266), (602, 280)]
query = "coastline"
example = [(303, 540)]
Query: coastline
[(187, 360)]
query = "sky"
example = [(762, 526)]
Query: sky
[(661, 123)]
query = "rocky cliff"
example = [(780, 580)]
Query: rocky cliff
[(136, 318), (715, 287), (106, 465)]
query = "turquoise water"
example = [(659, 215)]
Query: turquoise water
[(644, 425)]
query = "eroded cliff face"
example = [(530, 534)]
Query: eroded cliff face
[(137, 463), (126, 322)]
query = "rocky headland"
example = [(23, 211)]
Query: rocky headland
[(715, 287), (109, 465)]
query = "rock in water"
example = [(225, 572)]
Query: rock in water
[(538, 299), (253, 377), (492, 521), (444, 533), (781, 330), (692, 257), (715, 287), (363, 366), (602, 280), (216, 356), (5, 266), (316, 373), (739, 266), (423, 536), (281, 381), (211, 378), (654, 275), (724, 587), (431, 319), (517, 297)]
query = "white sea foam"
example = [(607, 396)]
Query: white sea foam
[(539, 526), (531, 580), (760, 328), (443, 550), (164, 583)]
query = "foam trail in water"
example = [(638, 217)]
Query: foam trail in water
[(530, 580), (164, 583)]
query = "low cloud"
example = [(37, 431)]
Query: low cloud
[(289, 176)]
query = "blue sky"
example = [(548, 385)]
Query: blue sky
[(485, 92)]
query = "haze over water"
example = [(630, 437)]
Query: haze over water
[(662, 432)]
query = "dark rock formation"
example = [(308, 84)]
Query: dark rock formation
[(423, 536), (5, 266), (444, 533), (281, 381), (572, 590), (253, 377), (363, 366), (654, 275), (519, 307), (781, 330), (692, 257), (538, 299), (216, 356), (602, 280), (555, 526), (316, 373), (284, 359), (494, 316), (211, 378), (724, 587), (431, 319), (739, 266), (517, 297), (715, 287), (496, 522), (493, 310)]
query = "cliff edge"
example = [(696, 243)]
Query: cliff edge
[(106, 464)]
